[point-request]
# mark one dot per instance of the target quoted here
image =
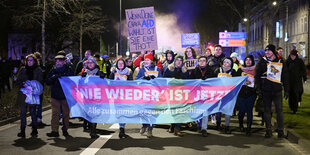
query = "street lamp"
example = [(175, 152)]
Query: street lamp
[(245, 19), (274, 3)]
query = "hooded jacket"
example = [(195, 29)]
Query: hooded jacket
[(232, 72)]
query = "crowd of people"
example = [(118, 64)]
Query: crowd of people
[(266, 80)]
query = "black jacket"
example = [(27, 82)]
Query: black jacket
[(215, 62), (178, 73), (52, 80), (197, 73), (297, 74), (245, 90), (262, 84)]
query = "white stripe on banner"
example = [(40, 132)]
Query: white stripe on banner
[(96, 145)]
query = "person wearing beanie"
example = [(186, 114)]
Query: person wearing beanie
[(247, 94), (169, 59), (148, 71), (91, 69), (140, 58), (225, 70), (271, 76), (202, 71), (297, 75), (121, 72)]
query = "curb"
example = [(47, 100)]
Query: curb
[(16, 118), (294, 137)]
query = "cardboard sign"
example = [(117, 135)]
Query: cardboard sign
[(190, 40), (191, 64), (141, 29)]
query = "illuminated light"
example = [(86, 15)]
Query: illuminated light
[(274, 3), (245, 19)]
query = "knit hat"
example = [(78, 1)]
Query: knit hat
[(148, 56), (252, 59), (294, 52), (105, 56), (272, 48), (179, 56), (92, 59), (234, 54)]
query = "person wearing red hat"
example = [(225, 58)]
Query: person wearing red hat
[(269, 80), (148, 71), (297, 75), (140, 58)]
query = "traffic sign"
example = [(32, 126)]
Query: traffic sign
[(232, 35), (231, 43)]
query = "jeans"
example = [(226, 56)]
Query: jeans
[(277, 99), (219, 117), (246, 106), (204, 124), (122, 125), (39, 108), (23, 112), (150, 126)]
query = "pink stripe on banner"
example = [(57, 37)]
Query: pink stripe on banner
[(176, 94)]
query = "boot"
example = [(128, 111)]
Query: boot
[(204, 133), (227, 130), (241, 125), (122, 133), (268, 133), (280, 134), (177, 132), (248, 130), (93, 133), (142, 130), (149, 133), (218, 125), (65, 133), (171, 129), (34, 132), (22, 132)]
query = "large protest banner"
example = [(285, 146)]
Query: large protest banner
[(141, 29), (160, 100)]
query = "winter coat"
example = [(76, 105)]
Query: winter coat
[(79, 67), (52, 80), (142, 70), (245, 90), (22, 77), (178, 73), (197, 73), (262, 84), (139, 59), (297, 74), (129, 74), (215, 62)]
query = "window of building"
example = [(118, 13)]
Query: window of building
[(301, 25), (279, 29), (305, 24)]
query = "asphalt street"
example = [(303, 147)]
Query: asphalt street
[(162, 143)]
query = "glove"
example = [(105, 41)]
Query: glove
[(84, 74), (152, 77), (286, 94), (101, 75), (147, 78)]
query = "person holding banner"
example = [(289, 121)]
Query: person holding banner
[(179, 71), (247, 94), (121, 72), (92, 69), (58, 99), (169, 59), (215, 61), (148, 71), (270, 77), (140, 58), (226, 70), (202, 71), (31, 71)]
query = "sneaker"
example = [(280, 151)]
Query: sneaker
[(227, 130), (122, 133), (52, 134), (93, 136), (171, 129), (149, 134), (204, 133), (142, 130), (34, 133), (21, 134)]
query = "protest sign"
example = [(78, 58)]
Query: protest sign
[(160, 100), (141, 29), (191, 63), (190, 40)]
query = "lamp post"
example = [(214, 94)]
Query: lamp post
[(120, 28)]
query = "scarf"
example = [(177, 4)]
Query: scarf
[(123, 72), (226, 69), (92, 72), (248, 70)]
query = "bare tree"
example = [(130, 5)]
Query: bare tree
[(86, 19), (38, 12)]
